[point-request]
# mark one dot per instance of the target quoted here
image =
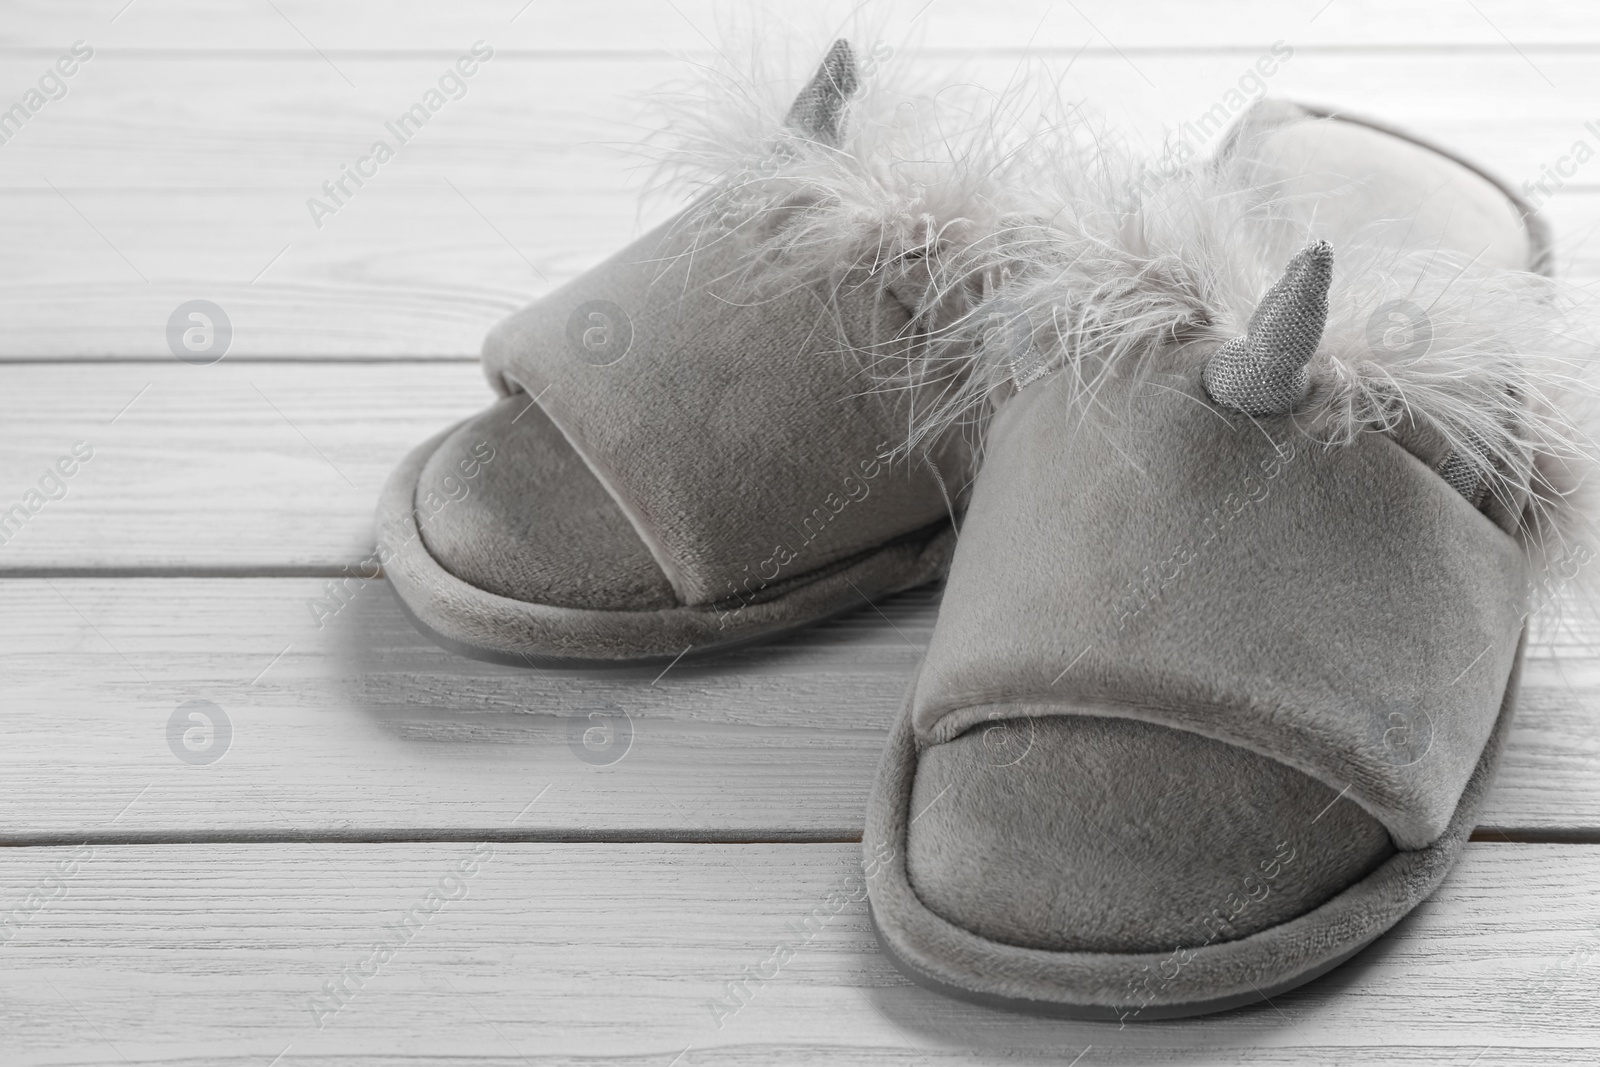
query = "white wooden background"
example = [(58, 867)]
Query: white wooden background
[(207, 904)]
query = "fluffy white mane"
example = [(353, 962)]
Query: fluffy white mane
[(1025, 242)]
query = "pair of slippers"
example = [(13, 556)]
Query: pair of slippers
[(1240, 472)]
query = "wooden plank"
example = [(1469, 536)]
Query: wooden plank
[(244, 465), (236, 465), (420, 274), (431, 287), (110, 216), (625, 26), (532, 124), (552, 954), (361, 728), (181, 163)]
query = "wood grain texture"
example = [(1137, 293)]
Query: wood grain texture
[(361, 763), (241, 465), (364, 729), (566, 954), (646, 26), (165, 176), (413, 272), (363, 726)]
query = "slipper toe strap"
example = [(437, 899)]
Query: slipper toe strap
[(738, 432), (1343, 611)]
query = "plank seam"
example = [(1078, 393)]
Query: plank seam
[(176, 571), (1579, 836), (445, 835), (1442, 48)]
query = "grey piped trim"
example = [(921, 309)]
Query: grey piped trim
[(1094, 985)]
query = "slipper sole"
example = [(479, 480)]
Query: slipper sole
[(952, 960)]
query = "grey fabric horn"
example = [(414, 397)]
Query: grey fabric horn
[(818, 112), (1264, 372)]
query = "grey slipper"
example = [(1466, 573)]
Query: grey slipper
[(688, 452), (1232, 638)]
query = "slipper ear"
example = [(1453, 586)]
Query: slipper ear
[(817, 114), (1264, 372)]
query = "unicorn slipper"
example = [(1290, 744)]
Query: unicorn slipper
[(688, 452), (1232, 638)]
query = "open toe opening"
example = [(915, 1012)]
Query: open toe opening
[(532, 522), (1083, 833)]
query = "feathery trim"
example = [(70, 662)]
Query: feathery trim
[(1024, 243)]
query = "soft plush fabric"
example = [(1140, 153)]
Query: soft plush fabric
[(1342, 610), (1437, 332), (1384, 187), (695, 448), (474, 621), (739, 435), (1111, 835), (1180, 638), (724, 473), (1185, 977), (575, 548)]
